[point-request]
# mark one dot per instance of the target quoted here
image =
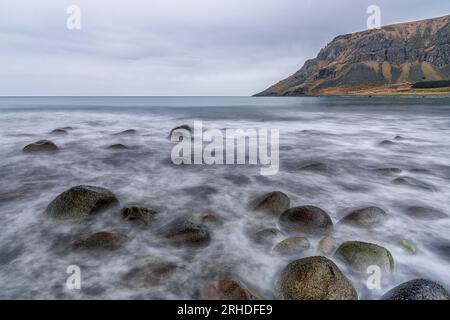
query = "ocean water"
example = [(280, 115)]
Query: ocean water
[(343, 133)]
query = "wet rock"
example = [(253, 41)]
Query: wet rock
[(314, 278), (360, 255), (425, 213), (413, 183), (386, 143), (315, 167), (59, 131), (418, 289), (117, 146), (138, 215), (420, 171), (308, 219), (365, 217), (267, 236), (407, 246), (80, 202), (41, 145), (208, 219), (327, 245), (128, 132), (399, 138), (184, 232), (150, 275), (226, 289), (182, 127), (273, 203), (291, 246), (101, 241), (389, 170)]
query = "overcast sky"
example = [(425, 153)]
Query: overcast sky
[(175, 47)]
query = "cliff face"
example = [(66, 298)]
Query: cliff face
[(380, 58)]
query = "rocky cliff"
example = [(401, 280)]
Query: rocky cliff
[(388, 59)]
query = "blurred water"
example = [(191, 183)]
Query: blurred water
[(344, 133)]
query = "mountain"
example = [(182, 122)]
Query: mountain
[(377, 61)]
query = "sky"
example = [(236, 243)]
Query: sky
[(175, 47)]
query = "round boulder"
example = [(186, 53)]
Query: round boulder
[(80, 202), (360, 255), (226, 289), (291, 246), (419, 289), (138, 215), (207, 219), (41, 145), (267, 236), (327, 245), (306, 219), (314, 278), (273, 203), (365, 217), (184, 232), (101, 241)]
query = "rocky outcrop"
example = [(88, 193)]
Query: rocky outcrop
[(392, 55)]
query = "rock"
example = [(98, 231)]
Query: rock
[(128, 132), (182, 127), (413, 183), (315, 167), (306, 219), (41, 145), (117, 146), (314, 278), (80, 202), (425, 213), (386, 143), (389, 170), (267, 236), (138, 215), (327, 245), (419, 289), (365, 217), (226, 289), (399, 138), (291, 246), (150, 275), (407, 246), (183, 232), (101, 241), (59, 131), (273, 203), (207, 219), (360, 255)]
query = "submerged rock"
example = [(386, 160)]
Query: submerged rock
[(182, 127), (413, 183), (101, 241), (59, 131), (419, 289), (308, 219), (407, 246), (425, 213), (389, 170), (273, 203), (226, 289), (327, 245), (117, 146), (139, 215), (386, 143), (207, 219), (291, 246), (41, 145), (315, 167), (150, 275), (365, 217), (314, 278), (267, 236), (184, 232), (80, 202), (128, 132), (360, 255)]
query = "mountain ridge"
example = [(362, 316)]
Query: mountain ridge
[(387, 60)]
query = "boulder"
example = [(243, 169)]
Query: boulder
[(307, 219), (101, 241), (59, 131), (314, 278), (360, 255), (327, 245), (150, 275), (208, 219), (138, 215), (386, 143), (184, 232), (315, 167), (365, 217), (292, 246), (425, 213), (267, 236), (273, 203), (41, 145), (128, 132), (226, 289), (419, 289), (80, 202), (117, 146)]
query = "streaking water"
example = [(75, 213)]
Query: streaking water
[(344, 133)]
